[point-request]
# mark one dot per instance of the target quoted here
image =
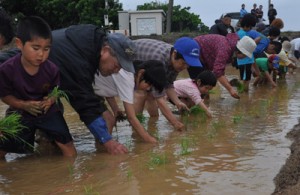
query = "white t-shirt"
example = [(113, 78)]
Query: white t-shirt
[(119, 84), (295, 46)]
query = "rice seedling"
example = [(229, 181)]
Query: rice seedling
[(57, 94), (71, 169), (240, 87), (156, 160), (185, 145), (11, 126), (141, 117), (129, 174), (236, 119), (88, 190)]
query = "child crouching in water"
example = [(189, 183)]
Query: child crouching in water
[(267, 66), (191, 91)]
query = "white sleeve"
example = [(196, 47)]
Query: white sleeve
[(105, 86), (124, 82)]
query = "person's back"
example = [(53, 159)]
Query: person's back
[(27, 81), (6, 29)]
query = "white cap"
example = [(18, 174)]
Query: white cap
[(246, 45), (286, 46)]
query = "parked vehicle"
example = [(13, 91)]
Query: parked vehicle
[(235, 19)]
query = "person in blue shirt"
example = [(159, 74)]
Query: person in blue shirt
[(243, 11)]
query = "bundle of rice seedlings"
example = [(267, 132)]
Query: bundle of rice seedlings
[(10, 126)]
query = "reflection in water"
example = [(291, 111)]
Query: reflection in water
[(238, 151)]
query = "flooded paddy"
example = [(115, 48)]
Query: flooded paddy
[(239, 151)]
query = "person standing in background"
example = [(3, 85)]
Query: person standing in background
[(272, 13), (259, 13), (254, 11), (243, 11)]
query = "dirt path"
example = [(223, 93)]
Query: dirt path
[(287, 181)]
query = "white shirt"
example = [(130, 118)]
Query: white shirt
[(119, 84)]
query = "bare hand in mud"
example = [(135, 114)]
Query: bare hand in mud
[(114, 147)]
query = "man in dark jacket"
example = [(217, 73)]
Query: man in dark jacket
[(272, 13), (222, 27), (80, 51)]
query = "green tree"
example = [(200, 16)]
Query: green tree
[(182, 19), (63, 13)]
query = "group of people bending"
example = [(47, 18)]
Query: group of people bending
[(92, 67)]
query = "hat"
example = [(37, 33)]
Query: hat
[(274, 59), (260, 26), (124, 48), (286, 46), (189, 49), (246, 45)]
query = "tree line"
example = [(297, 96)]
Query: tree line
[(63, 13)]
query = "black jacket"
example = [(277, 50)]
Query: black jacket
[(221, 29), (76, 51)]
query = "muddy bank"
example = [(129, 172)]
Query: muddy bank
[(287, 180)]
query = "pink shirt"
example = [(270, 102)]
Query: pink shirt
[(186, 88)]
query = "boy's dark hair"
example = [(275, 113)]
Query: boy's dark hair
[(33, 26), (274, 32), (207, 78), (154, 74), (248, 20), (6, 27), (178, 55), (278, 46), (284, 38)]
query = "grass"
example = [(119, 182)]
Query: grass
[(57, 94)]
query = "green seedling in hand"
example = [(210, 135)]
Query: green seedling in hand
[(57, 94)]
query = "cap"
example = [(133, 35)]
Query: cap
[(124, 48), (274, 59), (260, 26), (189, 49), (286, 46), (246, 45)]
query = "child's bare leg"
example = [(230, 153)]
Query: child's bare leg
[(67, 149), (2, 155), (139, 101), (151, 106), (246, 85)]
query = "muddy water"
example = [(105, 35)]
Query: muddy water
[(239, 151)]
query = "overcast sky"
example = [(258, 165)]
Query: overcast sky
[(209, 10)]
